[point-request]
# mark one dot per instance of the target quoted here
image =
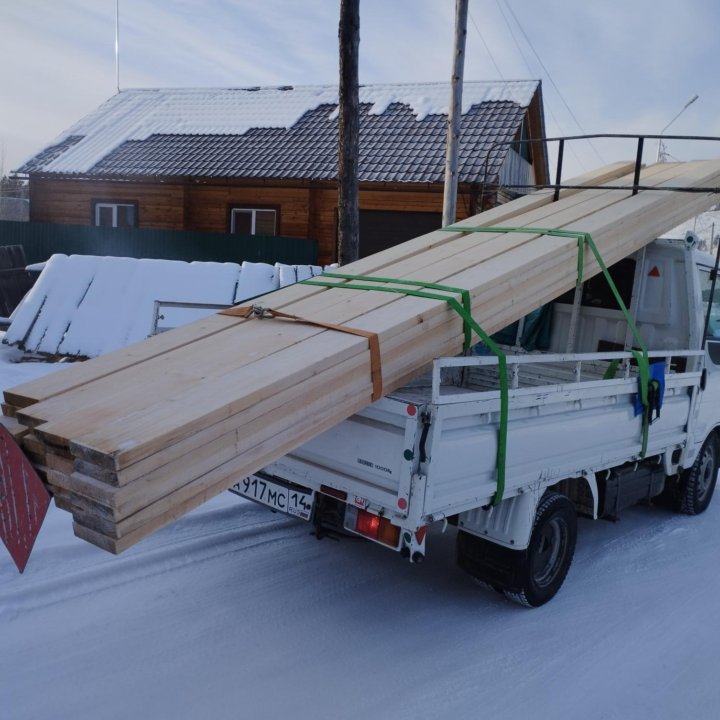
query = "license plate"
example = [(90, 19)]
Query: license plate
[(289, 499)]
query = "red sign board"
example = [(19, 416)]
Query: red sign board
[(24, 500)]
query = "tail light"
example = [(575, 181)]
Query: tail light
[(373, 527), (339, 494)]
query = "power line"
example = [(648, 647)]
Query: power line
[(547, 72), (530, 74), (515, 40), (487, 49)]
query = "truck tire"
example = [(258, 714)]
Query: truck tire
[(698, 483), (550, 553)]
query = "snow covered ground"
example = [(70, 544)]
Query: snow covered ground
[(234, 612)]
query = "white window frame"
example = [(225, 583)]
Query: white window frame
[(253, 217), (114, 207)]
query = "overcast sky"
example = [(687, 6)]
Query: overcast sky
[(606, 65)]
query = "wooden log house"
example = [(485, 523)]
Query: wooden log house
[(264, 160)]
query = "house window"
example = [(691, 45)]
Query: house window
[(253, 221), (115, 214)]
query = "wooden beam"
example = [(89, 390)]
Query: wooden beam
[(134, 441)]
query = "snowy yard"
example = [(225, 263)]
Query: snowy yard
[(234, 612)]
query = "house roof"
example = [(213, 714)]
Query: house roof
[(288, 133)]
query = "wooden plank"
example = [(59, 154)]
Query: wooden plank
[(8, 410), (12, 425), (31, 443), (172, 506), (134, 432), (132, 497), (466, 251), (101, 517), (102, 541), (42, 388), (489, 267), (186, 447), (82, 486), (59, 463)]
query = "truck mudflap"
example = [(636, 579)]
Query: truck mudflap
[(24, 500)]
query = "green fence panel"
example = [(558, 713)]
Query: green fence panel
[(41, 240)]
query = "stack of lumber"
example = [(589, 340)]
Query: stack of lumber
[(134, 439), (67, 312)]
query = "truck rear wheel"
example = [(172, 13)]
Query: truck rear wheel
[(533, 576), (550, 553), (698, 483)]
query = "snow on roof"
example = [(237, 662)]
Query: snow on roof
[(138, 114)]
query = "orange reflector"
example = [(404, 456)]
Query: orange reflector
[(654, 272), (388, 534)]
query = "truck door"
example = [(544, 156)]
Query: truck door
[(711, 316)]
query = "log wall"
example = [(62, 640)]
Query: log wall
[(304, 211), (70, 201)]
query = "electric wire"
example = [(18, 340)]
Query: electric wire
[(487, 48), (515, 40), (570, 146), (552, 81)]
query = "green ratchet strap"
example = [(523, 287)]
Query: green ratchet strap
[(583, 239), (446, 293)]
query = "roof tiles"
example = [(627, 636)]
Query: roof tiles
[(210, 133)]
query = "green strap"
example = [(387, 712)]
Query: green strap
[(612, 368), (583, 239), (433, 291), (424, 287)]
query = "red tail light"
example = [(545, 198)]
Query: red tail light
[(367, 524), (377, 528)]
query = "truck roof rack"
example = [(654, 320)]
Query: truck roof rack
[(557, 186)]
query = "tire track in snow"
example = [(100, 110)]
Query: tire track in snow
[(195, 540)]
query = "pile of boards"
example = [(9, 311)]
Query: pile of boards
[(85, 306), (136, 438)]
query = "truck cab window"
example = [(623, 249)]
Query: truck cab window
[(713, 328)]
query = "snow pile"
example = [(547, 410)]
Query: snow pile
[(84, 305)]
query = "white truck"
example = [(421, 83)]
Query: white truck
[(577, 439)]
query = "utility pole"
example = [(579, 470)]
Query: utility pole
[(455, 114), (348, 133), (117, 45)]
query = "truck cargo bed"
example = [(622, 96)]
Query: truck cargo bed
[(430, 448)]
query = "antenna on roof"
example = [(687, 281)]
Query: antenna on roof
[(117, 44)]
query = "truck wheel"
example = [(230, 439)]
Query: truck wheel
[(551, 550), (698, 483)]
